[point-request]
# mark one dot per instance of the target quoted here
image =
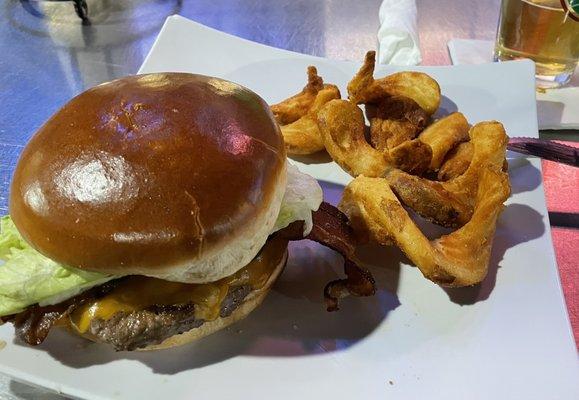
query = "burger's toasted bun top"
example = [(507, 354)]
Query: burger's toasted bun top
[(150, 174)]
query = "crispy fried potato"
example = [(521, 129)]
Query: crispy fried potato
[(443, 135), (451, 203), (456, 162), (303, 136), (429, 199), (362, 88), (386, 134), (395, 120), (412, 156), (295, 107), (297, 115), (418, 86), (458, 259), (342, 127), (489, 140), (469, 161)]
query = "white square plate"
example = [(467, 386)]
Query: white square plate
[(507, 338)]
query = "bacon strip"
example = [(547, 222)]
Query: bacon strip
[(33, 324), (331, 229)]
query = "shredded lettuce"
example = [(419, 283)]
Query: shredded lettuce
[(27, 277), (302, 196)]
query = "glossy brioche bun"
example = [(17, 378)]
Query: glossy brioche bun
[(171, 175)]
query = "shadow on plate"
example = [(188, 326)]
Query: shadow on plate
[(321, 157), (23, 391), (518, 224), (524, 176), (447, 106)]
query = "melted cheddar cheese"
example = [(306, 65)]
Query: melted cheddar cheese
[(139, 292)]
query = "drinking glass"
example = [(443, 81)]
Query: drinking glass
[(546, 31)]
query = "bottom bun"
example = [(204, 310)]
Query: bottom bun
[(250, 303)]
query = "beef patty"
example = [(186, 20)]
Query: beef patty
[(138, 329)]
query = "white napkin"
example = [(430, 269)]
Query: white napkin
[(397, 36), (556, 108)]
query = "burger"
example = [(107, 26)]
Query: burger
[(156, 209)]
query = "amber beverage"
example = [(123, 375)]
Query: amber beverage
[(546, 31)]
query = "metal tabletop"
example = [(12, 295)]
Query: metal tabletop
[(48, 55)]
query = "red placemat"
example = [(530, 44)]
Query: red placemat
[(562, 193)]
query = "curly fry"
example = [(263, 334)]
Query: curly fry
[(303, 136), (362, 87), (458, 259), (418, 86), (412, 156), (342, 128), (456, 162), (489, 140), (297, 115), (443, 135), (429, 199), (395, 120), (451, 203), (293, 108)]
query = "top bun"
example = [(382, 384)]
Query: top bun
[(171, 175)]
